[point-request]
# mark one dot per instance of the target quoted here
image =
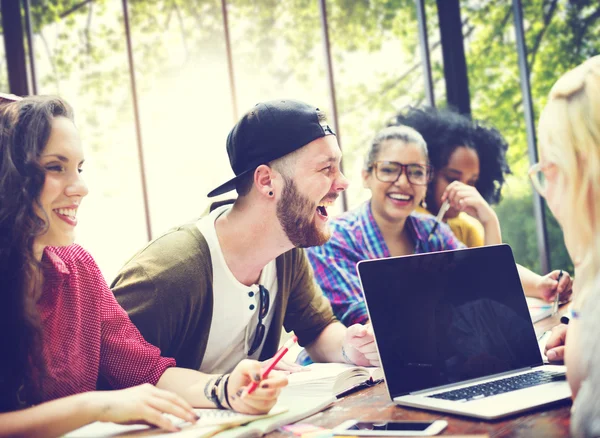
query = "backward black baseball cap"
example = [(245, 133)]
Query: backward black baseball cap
[(269, 131)]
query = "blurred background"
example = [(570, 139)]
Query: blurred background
[(156, 85)]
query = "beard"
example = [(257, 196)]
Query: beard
[(295, 213)]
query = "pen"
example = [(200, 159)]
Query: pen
[(443, 209), (280, 353), (555, 306)]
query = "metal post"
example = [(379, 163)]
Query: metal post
[(424, 46), (136, 113), (234, 103), (330, 78), (30, 46), (538, 204), (10, 10), (453, 51)]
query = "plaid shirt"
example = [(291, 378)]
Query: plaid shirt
[(355, 237)]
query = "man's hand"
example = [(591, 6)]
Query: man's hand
[(359, 346), (263, 398), (548, 286), (555, 347)]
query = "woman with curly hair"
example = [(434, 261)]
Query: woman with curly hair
[(473, 156), (62, 328), (469, 162)]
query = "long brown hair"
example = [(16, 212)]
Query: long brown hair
[(25, 127)]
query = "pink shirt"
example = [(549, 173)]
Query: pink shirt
[(85, 331)]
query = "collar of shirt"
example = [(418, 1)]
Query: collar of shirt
[(54, 263), (418, 231)]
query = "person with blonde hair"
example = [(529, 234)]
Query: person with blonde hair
[(568, 176)]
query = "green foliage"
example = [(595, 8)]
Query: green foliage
[(519, 228), (375, 49)]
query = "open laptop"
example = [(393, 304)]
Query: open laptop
[(454, 333)]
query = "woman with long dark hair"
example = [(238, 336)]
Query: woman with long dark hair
[(62, 328)]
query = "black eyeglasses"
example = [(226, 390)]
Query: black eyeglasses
[(390, 171), (263, 309)]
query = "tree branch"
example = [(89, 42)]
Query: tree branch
[(538, 38), (586, 22), (51, 62), (182, 27), (406, 73), (499, 32), (86, 32), (75, 8)]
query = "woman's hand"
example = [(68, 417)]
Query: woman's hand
[(548, 286), (142, 404), (466, 198), (555, 346), (264, 396)]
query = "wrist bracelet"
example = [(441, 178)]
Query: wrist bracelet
[(227, 393), (213, 395), (345, 356)]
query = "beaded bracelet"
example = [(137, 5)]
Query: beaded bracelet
[(213, 394)]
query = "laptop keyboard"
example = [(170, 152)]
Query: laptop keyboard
[(501, 386)]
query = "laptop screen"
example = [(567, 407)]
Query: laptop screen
[(446, 317)]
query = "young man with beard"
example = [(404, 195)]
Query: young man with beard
[(218, 291)]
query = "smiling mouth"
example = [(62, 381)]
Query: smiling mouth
[(70, 213), (322, 208), (400, 197)]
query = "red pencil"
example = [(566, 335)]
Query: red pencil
[(280, 353)]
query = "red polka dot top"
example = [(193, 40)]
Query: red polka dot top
[(85, 331)]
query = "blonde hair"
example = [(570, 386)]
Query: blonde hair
[(570, 138)]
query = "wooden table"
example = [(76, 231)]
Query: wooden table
[(374, 404)]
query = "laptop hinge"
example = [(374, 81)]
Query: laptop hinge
[(466, 382)]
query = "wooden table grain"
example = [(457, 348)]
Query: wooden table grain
[(374, 404)]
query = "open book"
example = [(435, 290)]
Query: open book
[(333, 379), (211, 422), (538, 308), (309, 392)]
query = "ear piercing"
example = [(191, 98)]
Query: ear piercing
[(271, 193)]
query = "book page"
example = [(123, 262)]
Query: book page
[(327, 379), (297, 408), (211, 421), (538, 308)]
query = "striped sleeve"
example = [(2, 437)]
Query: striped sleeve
[(334, 266)]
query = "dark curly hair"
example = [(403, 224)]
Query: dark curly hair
[(444, 130), (25, 127)]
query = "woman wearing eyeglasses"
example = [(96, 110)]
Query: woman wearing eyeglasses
[(396, 172), (568, 177), (469, 161), (468, 158)]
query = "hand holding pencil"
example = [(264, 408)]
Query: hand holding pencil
[(267, 386), (273, 363), (555, 287)]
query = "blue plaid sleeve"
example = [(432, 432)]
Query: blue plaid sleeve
[(334, 265)]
